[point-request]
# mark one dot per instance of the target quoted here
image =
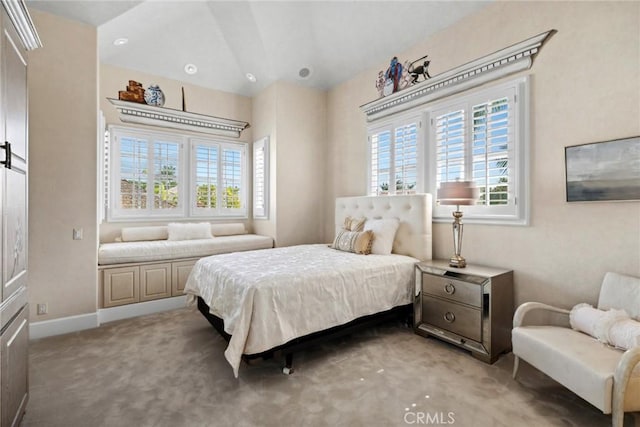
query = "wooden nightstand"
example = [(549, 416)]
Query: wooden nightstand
[(470, 307)]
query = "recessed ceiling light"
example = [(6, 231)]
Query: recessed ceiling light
[(251, 78), (121, 41), (190, 69), (304, 72)]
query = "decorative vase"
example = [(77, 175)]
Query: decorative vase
[(154, 96)]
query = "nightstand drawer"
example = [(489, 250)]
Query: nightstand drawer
[(456, 318), (446, 287)]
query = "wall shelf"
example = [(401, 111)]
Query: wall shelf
[(506, 61), (132, 112)]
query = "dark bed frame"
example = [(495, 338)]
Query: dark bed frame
[(403, 313)]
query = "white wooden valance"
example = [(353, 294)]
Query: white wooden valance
[(506, 61), (133, 112)]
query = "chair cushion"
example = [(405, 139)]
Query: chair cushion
[(158, 250), (577, 361)]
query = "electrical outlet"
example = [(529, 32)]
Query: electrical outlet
[(42, 309)]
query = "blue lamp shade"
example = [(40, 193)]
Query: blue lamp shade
[(458, 193)]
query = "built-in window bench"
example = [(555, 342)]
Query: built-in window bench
[(148, 265)]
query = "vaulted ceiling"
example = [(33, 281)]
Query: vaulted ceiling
[(273, 40)]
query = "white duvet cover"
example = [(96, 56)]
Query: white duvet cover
[(269, 297)]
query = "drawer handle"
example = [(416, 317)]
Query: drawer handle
[(449, 288), (449, 317)]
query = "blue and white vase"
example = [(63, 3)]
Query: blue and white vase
[(154, 96)]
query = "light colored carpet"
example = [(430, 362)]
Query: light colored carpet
[(168, 369)]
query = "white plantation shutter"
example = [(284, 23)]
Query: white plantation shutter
[(134, 163), (206, 176), (261, 178), (394, 157), (492, 147), (406, 158), (219, 178), (380, 162), (450, 145), (480, 137), (232, 183), (166, 169), (145, 174)]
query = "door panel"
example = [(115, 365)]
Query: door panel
[(14, 259)]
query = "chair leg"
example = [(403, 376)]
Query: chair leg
[(617, 418), (516, 365)]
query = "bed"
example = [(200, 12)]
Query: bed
[(279, 299)]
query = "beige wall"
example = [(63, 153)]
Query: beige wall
[(62, 79), (197, 99), (584, 88), (301, 149), (295, 118), (264, 125)]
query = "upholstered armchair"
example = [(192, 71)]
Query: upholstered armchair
[(606, 377)]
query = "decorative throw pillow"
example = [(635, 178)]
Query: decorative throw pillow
[(384, 232), (358, 242), (612, 327), (353, 224), (190, 231)]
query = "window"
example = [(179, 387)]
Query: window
[(480, 137), (261, 178), (219, 178), (150, 174), (394, 157)]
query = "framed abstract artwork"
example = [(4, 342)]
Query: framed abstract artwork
[(603, 171)]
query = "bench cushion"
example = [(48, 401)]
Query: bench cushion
[(159, 250), (579, 362)]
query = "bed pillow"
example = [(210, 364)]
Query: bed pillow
[(190, 231), (384, 232), (354, 224), (358, 242)]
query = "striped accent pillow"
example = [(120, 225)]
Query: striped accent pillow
[(358, 242), (353, 224)]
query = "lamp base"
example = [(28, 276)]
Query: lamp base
[(457, 261)]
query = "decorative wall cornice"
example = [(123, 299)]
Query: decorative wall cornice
[(506, 61), (132, 112), (21, 20)]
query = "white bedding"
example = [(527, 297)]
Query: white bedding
[(269, 297)]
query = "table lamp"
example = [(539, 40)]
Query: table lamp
[(457, 193)]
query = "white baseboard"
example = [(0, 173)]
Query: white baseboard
[(140, 309), (65, 325)]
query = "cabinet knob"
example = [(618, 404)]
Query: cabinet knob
[(449, 288), (449, 317)]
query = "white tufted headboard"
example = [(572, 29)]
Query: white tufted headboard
[(414, 237)]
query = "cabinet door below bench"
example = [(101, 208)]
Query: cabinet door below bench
[(155, 281), (120, 286), (180, 274)]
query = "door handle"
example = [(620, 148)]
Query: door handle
[(7, 159)]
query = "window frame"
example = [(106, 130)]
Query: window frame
[(115, 212), (218, 211), (516, 213), (186, 177), (392, 125)]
